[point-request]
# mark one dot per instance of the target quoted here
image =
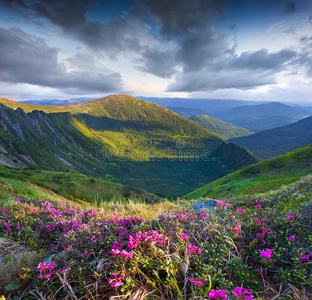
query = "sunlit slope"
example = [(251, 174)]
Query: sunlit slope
[(260, 177), (133, 124), (121, 139), (223, 129)]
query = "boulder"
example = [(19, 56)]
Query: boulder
[(209, 204)]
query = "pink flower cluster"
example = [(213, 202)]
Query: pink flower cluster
[(239, 293), (198, 282), (43, 267), (193, 250), (153, 237), (221, 203), (184, 236), (182, 216), (8, 226), (218, 295), (267, 254), (290, 217), (242, 293), (116, 281)]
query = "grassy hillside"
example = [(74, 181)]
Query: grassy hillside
[(223, 129), (260, 177), (276, 141), (120, 139), (71, 186), (259, 251)]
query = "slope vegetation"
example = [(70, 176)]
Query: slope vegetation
[(120, 139), (276, 141), (260, 177), (223, 129)]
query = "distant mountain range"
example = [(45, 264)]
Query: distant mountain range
[(276, 141), (263, 116), (254, 116), (118, 138), (225, 130)]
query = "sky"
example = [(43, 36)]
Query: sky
[(220, 49)]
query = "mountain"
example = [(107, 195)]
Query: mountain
[(263, 176), (223, 129), (262, 116), (275, 141), (187, 111), (118, 138), (207, 105)]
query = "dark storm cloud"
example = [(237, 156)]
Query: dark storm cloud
[(290, 8), (111, 36), (189, 25), (186, 38), (263, 60), (158, 62), (27, 59), (180, 17), (249, 70)]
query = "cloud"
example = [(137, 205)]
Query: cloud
[(290, 8), (27, 59), (247, 71), (208, 81), (263, 60), (158, 62), (112, 36)]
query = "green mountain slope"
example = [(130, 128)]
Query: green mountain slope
[(260, 177), (223, 129), (118, 138), (276, 141), (70, 185)]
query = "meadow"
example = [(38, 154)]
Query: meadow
[(257, 247)]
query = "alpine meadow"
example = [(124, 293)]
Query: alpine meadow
[(155, 150)]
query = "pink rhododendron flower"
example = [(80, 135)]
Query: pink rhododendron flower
[(218, 295), (291, 238), (305, 257), (4, 210), (184, 236), (126, 254), (192, 250), (87, 254), (289, 217), (242, 293), (198, 282), (236, 230), (267, 254), (117, 281)]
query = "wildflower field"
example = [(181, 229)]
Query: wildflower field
[(258, 247)]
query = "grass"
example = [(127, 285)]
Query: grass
[(65, 186), (260, 177), (162, 250)]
